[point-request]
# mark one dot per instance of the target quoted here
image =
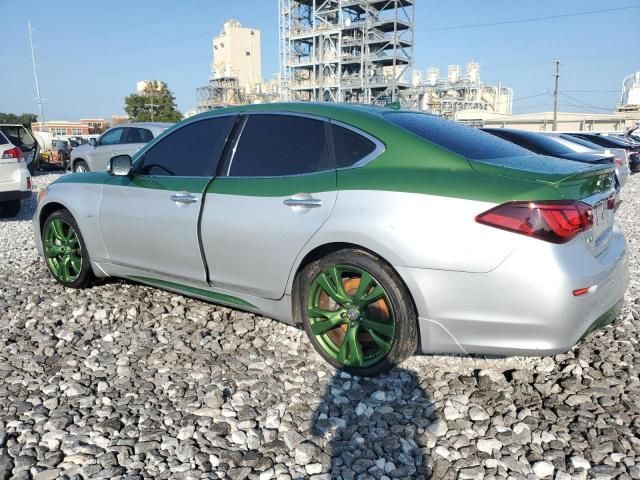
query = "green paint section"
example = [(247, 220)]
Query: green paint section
[(89, 177), (274, 186), (173, 184), (605, 319), (216, 297), (409, 164)]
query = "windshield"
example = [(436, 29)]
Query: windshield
[(572, 146), (466, 141)]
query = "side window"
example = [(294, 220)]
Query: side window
[(350, 147), (145, 135), (278, 145), (112, 137), (137, 135), (190, 151)]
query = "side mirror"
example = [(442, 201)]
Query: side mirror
[(93, 142), (120, 166)]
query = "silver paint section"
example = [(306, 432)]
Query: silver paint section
[(250, 243), (146, 229), (526, 305)]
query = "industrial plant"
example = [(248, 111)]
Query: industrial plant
[(457, 92), (236, 70), (361, 51), (346, 50)]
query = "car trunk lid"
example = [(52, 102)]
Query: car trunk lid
[(593, 184)]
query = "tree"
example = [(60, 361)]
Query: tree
[(25, 119), (155, 103)]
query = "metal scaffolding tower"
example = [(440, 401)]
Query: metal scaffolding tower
[(357, 51)]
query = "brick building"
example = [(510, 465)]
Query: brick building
[(62, 128)]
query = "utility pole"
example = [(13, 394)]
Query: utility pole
[(152, 108), (555, 96), (35, 74)]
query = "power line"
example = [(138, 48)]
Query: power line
[(531, 96), (587, 105), (527, 20)]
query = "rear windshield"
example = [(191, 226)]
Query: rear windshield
[(3, 139), (19, 136), (466, 141)]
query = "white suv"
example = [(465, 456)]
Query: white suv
[(15, 179)]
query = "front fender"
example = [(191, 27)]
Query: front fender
[(82, 200)]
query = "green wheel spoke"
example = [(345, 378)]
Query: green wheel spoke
[(381, 342), (58, 230), (323, 326), (66, 265), (70, 235), (331, 282), (76, 264), (373, 296), (316, 312), (52, 250), (366, 281), (350, 352), (385, 329)]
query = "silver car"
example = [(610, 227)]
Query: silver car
[(124, 139), (379, 231)]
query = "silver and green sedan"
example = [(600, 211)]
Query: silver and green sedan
[(381, 232)]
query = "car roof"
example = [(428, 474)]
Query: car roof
[(12, 125), (339, 111), (145, 124)]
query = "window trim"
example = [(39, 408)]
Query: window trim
[(380, 147)]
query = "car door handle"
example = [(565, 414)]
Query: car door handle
[(183, 197), (303, 202)]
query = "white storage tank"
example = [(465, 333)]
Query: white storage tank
[(453, 73), (433, 74), (631, 90)]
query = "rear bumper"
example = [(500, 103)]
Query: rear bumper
[(14, 195), (523, 307)]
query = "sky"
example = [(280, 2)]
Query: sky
[(90, 55)]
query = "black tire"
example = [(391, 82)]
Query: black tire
[(85, 277), (10, 208), (82, 164), (405, 341)]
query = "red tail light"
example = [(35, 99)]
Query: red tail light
[(14, 152), (553, 221)]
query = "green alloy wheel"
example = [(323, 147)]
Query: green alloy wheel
[(64, 250), (357, 313)]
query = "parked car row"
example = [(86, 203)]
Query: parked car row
[(380, 231), (568, 147)]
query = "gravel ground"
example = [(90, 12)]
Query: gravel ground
[(126, 381)]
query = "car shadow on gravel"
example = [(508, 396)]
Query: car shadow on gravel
[(373, 427)]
